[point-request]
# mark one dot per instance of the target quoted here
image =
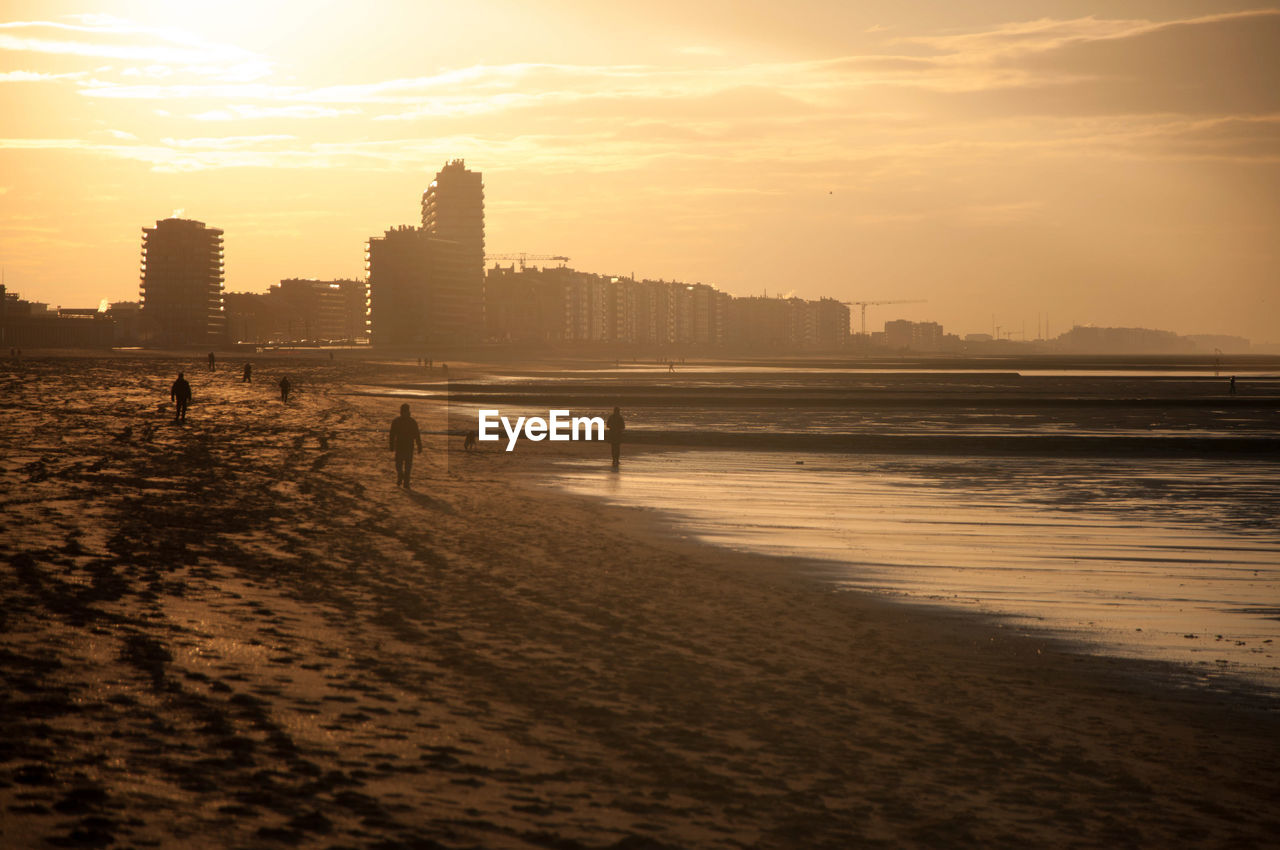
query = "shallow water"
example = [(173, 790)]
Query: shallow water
[(1165, 548), (1169, 559), (756, 401)]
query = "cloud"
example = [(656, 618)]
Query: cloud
[(252, 111), (1049, 34), (1023, 37), (37, 76), (1217, 64), (1065, 66), (101, 36), (224, 143), (1085, 87), (1088, 66), (172, 155), (1236, 138)]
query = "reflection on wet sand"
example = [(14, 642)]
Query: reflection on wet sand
[(1169, 559)]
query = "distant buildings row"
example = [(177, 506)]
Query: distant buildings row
[(427, 288), (31, 324), (562, 305), (298, 310), (565, 306)]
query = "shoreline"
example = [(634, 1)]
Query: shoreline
[(806, 573), (286, 649), (671, 526)]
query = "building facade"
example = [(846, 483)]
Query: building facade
[(521, 305), (27, 324), (300, 310), (901, 334), (322, 310), (525, 305), (182, 275), (830, 323), (420, 292), (453, 211)]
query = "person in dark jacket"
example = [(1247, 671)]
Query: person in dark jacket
[(180, 395), (616, 425), (404, 436), (285, 386)]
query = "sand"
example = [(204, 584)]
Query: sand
[(240, 633)]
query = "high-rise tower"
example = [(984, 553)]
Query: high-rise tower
[(182, 284), (453, 211)]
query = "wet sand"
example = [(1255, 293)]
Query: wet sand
[(1172, 559), (238, 632)]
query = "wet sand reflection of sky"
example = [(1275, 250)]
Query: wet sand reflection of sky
[(1131, 557)]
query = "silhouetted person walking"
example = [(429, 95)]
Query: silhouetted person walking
[(248, 374), (285, 386), (211, 361), (616, 425), (180, 395), (1233, 384), (404, 436)]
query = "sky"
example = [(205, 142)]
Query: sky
[(1029, 164)]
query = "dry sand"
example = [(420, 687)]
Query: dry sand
[(240, 633)]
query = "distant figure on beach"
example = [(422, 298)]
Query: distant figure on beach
[(404, 436), (616, 425), (330, 355), (1233, 384), (180, 395), (248, 374), (285, 386), (671, 366), (211, 361)]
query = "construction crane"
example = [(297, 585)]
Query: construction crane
[(865, 304), (522, 257)]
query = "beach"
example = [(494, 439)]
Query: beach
[(1163, 558), (238, 632)]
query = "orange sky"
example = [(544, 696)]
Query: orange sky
[(1109, 163)]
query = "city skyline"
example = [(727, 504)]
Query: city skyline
[(1116, 169)]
